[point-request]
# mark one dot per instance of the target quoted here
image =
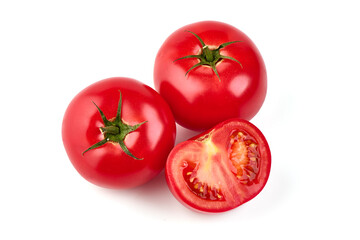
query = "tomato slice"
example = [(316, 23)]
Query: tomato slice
[(221, 168)]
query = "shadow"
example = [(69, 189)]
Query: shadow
[(155, 194), (281, 187), (155, 199), (152, 196), (183, 134), (275, 195)]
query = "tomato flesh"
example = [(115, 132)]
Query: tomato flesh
[(192, 176), (221, 168)]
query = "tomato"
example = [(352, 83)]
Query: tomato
[(221, 168), (118, 133), (209, 72)]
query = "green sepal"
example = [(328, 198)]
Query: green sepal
[(231, 58), (215, 71), (200, 40), (196, 65), (96, 145), (118, 112), (189, 56), (133, 128), (126, 150), (105, 121), (227, 43)]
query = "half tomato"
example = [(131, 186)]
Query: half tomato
[(221, 168)]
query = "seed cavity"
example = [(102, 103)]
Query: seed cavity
[(244, 157), (199, 187)]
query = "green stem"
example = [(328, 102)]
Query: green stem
[(208, 54), (110, 129)]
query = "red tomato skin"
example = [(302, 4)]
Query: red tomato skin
[(199, 100), (219, 135), (108, 166)]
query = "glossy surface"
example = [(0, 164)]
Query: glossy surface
[(108, 165), (199, 100), (221, 168)]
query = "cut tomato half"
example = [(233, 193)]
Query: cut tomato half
[(221, 168)]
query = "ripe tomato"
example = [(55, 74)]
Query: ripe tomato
[(118, 133), (209, 72), (221, 168)]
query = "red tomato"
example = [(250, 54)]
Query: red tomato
[(221, 168), (209, 72), (118, 133)]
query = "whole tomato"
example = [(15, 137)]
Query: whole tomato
[(209, 72), (221, 168), (118, 133)]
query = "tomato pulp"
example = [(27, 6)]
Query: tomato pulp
[(209, 72), (118, 133), (221, 168)]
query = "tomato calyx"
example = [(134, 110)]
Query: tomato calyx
[(115, 131), (208, 56)]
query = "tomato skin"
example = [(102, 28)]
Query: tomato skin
[(192, 149), (199, 100), (109, 166)]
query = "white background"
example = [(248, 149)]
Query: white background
[(50, 50)]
